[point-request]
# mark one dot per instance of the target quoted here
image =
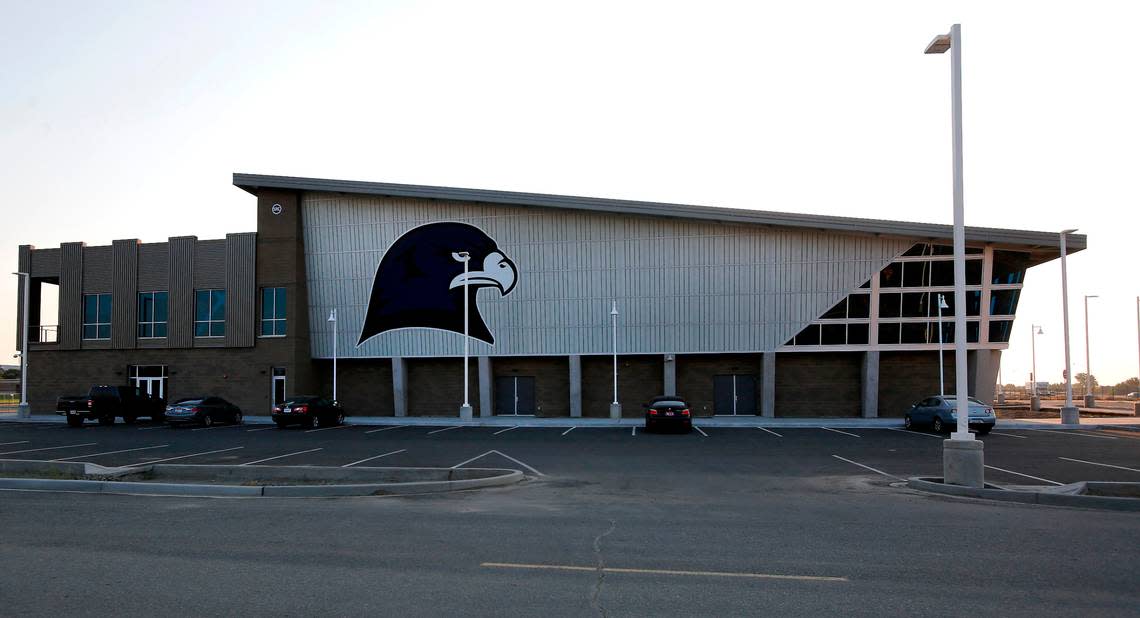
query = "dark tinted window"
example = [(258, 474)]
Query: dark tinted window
[(859, 306), (888, 333), (999, 331), (808, 336), (890, 305), (919, 333), (838, 312), (916, 274), (857, 334), (916, 305), (891, 276), (833, 334), (1009, 267), (1004, 302)]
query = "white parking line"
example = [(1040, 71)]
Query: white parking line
[(506, 430), (1009, 435), (1093, 463), (250, 463), (594, 569), (154, 427), (501, 454), (147, 463), (326, 428), (771, 432), (49, 448), (10, 443), (867, 467), (371, 458), (214, 427), (633, 431), (701, 430), (126, 450), (842, 432), (1076, 433), (385, 429), (262, 429), (444, 429), (1036, 478), (914, 433), (568, 431)]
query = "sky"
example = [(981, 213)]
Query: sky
[(127, 120)]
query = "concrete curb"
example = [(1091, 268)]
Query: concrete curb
[(1061, 496)]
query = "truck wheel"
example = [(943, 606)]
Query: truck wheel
[(106, 420), (129, 420), (74, 421)]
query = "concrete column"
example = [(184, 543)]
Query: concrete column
[(575, 386), (983, 374), (486, 397), (670, 377), (400, 386), (871, 384), (768, 384)]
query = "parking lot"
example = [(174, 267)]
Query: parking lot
[(722, 521)]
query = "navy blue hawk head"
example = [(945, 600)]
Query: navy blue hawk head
[(419, 282)]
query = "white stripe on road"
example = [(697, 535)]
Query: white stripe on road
[(701, 430), (867, 467), (371, 458), (567, 431), (385, 429), (154, 427), (262, 429), (1008, 435), (501, 454), (1036, 478), (444, 429), (126, 450), (633, 431), (771, 432), (842, 432), (914, 433), (506, 430), (1093, 463), (594, 569), (10, 443), (49, 448), (147, 463), (1076, 433), (250, 463), (214, 427), (326, 428)]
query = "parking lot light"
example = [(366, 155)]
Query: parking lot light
[(1034, 398), (332, 318), (465, 412), (615, 407), (941, 371), (1090, 396), (24, 411), (1070, 415)]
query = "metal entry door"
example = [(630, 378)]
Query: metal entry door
[(514, 396), (734, 395)]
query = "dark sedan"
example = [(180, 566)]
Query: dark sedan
[(308, 411), (940, 414), (668, 412), (203, 411)]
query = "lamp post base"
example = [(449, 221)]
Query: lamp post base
[(615, 410), (963, 463), (465, 412), (1001, 399), (1035, 403), (23, 411), (1090, 401), (1070, 415)]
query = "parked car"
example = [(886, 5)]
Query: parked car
[(103, 403), (1134, 395), (940, 414), (668, 412), (308, 411), (203, 410)]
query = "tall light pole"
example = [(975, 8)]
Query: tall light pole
[(1034, 398), (615, 407), (24, 411), (941, 372), (465, 412), (332, 318), (1138, 339), (961, 455), (1090, 396), (1070, 414)]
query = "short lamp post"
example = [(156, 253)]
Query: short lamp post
[(1090, 391), (332, 318), (941, 371), (1034, 398), (24, 411), (615, 407), (1070, 414), (465, 411)]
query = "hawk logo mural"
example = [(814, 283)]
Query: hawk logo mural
[(419, 282)]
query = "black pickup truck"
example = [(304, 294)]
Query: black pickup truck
[(103, 403)]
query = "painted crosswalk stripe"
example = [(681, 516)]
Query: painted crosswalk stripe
[(375, 457)]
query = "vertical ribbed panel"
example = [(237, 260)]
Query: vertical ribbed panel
[(70, 295), (241, 290), (124, 293), (154, 267), (180, 311), (24, 265)]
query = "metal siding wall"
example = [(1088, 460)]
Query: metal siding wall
[(154, 267), (241, 292), (180, 310), (210, 265), (124, 293), (97, 273), (70, 295), (45, 263), (681, 286)]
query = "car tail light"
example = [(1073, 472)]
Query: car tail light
[(303, 409), (195, 409), (685, 412), (652, 412), (277, 410)]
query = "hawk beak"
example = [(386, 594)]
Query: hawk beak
[(498, 271)]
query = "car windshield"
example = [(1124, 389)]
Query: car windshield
[(669, 403), (969, 399)]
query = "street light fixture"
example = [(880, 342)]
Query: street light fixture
[(1070, 414), (465, 412), (615, 407), (332, 318), (1090, 396), (1034, 397), (24, 411), (941, 372)]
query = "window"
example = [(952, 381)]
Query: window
[(96, 316), (152, 314), (272, 312), (1009, 267), (209, 313), (1000, 330)]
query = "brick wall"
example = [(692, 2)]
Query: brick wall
[(819, 384), (364, 386), (435, 386), (551, 381), (640, 378), (695, 377), (906, 377)]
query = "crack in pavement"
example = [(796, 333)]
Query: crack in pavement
[(601, 570)]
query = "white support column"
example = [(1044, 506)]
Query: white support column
[(768, 384), (400, 386), (575, 386), (486, 386)]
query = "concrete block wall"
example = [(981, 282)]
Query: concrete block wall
[(819, 384), (640, 378), (364, 387), (551, 380), (435, 386), (695, 374), (906, 377)]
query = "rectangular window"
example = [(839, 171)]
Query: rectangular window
[(152, 315), (272, 312), (96, 316), (209, 313)]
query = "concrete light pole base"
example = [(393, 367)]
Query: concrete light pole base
[(963, 463), (1090, 401), (465, 412), (1070, 416), (1035, 403), (615, 410), (23, 411)]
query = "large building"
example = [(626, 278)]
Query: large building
[(742, 312)]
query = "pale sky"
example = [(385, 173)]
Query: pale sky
[(126, 120)]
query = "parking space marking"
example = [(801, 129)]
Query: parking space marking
[(154, 427), (914, 433), (147, 463), (261, 429), (49, 448), (326, 428), (1009, 435), (444, 429), (385, 429), (594, 569), (250, 463), (701, 430), (11, 443), (215, 427), (501, 454), (126, 450), (842, 432), (633, 431), (1036, 478), (1075, 433), (867, 467), (771, 432), (1093, 463), (568, 431), (506, 430), (375, 457)]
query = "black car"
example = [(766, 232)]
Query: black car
[(668, 412), (203, 410), (308, 411)]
